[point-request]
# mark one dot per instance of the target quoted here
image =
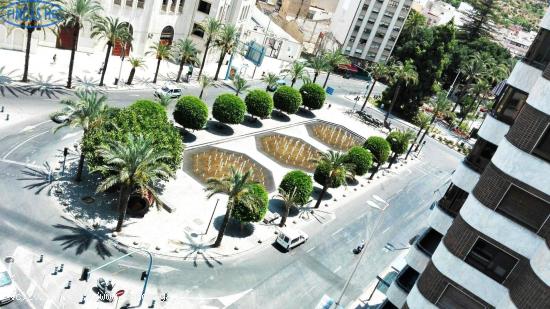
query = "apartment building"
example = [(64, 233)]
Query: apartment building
[(150, 21), (488, 240), (369, 29)]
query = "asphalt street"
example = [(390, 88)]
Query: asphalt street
[(272, 279)]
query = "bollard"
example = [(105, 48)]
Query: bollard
[(164, 297), (2, 109), (61, 268), (54, 271), (143, 275), (68, 285), (153, 304), (40, 259), (85, 274), (83, 301), (7, 116)]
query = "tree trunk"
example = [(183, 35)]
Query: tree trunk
[(326, 80), (224, 225), (392, 159), (315, 76), (109, 46), (412, 143), (285, 215), (157, 71), (27, 56), (425, 132), (375, 171), (368, 95), (220, 63), (395, 95), (179, 71), (131, 76), (293, 82), (202, 91), (80, 167), (123, 198), (206, 47), (73, 52), (321, 195)]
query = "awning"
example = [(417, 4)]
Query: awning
[(497, 90), (348, 67)]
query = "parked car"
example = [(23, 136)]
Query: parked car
[(280, 82), (7, 287), (170, 91), (290, 238)]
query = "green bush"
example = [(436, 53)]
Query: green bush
[(259, 103), (313, 96), (191, 113), (229, 108), (256, 212), (397, 145), (287, 99), (299, 181), (361, 159), (379, 148), (143, 117), (322, 172)]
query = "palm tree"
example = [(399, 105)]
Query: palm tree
[(204, 83), (112, 30), (297, 70), (440, 105), (318, 64), (480, 90), (270, 79), (400, 137), (75, 13), (236, 185), (161, 52), (134, 164), (211, 27), (185, 52), (472, 72), (403, 75), (377, 71), (86, 113), (334, 59), (422, 120), (135, 62), (338, 168), (289, 202), (225, 41), (31, 26), (240, 84)]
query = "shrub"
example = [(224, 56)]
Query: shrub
[(191, 113), (259, 103), (322, 172), (299, 181), (361, 158), (229, 108), (313, 96), (397, 145), (287, 99), (257, 211), (379, 148)]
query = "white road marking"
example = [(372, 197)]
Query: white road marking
[(373, 204), (337, 269), (337, 231), (23, 143), (20, 163), (28, 128), (24, 296), (310, 249), (31, 289)]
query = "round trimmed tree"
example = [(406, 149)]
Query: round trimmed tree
[(229, 108), (259, 103), (287, 99), (299, 184), (252, 212), (380, 150), (399, 142), (313, 96), (360, 158), (191, 113)]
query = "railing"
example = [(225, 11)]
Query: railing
[(407, 278), (429, 241), (546, 73)]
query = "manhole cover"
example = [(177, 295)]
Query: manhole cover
[(88, 199)]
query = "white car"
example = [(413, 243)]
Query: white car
[(7, 287), (290, 238), (170, 91)]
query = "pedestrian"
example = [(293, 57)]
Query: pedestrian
[(329, 105), (54, 58), (101, 68)]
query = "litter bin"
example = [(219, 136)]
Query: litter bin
[(116, 81)]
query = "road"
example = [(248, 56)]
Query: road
[(298, 279)]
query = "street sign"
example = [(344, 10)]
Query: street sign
[(255, 53), (330, 90), (119, 293)]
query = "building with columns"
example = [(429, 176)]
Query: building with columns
[(488, 240)]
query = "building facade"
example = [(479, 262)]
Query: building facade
[(372, 27), (488, 240)]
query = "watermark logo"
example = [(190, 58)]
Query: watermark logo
[(31, 14)]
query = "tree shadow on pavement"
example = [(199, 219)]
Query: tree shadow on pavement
[(279, 116), (88, 84), (277, 206), (82, 238), (252, 122), (197, 251), (234, 227), (218, 128), (6, 81), (187, 136), (46, 86), (41, 179), (306, 113), (317, 192)]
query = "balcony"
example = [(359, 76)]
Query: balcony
[(480, 155), (453, 200), (407, 278), (429, 241), (538, 55), (387, 305), (509, 105)]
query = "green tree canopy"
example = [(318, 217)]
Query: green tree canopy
[(287, 99), (191, 113), (360, 158), (379, 148), (229, 108), (259, 103), (244, 211), (298, 183), (313, 96)]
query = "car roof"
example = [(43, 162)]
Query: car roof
[(291, 233)]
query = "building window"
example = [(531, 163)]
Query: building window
[(164, 5), (173, 5), (453, 298), (197, 30), (180, 6), (524, 208), (204, 7), (129, 3), (379, 35), (542, 149), (491, 260), (453, 200), (362, 41), (407, 278), (429, 241), (509, 105), (539, 53), (140, 4), (117, 2), (480, 155)]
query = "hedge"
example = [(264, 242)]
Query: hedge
[(259, 103), (287, 99), (313, 96), (191, 113), (229, 108), (299, 181)]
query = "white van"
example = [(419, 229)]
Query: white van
[(290, 238)]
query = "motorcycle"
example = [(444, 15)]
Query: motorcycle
[(105, 289), (359, 248)]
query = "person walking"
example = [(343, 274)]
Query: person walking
[(54, 58)]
